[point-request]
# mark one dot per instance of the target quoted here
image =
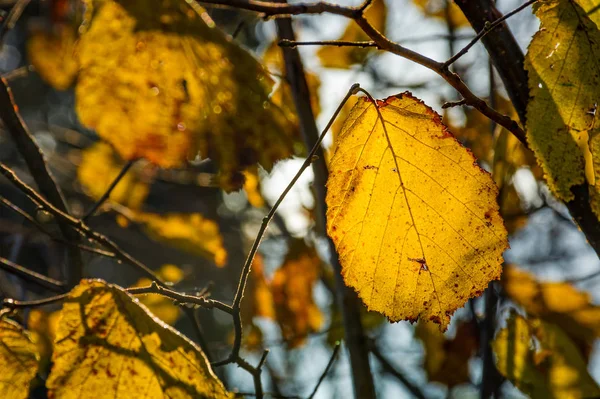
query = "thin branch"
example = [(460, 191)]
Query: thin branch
[(14, 304), (450, 104), (77, 224), (9, 205), (31, 276), (388, 368), (338, 43), (383, 43), (263, 228), (488, 27), (110, 189), (336, 349), (181, 298)]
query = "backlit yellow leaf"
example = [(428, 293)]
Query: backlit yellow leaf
[(109, 346), (414, 219), (18, 360), (99, 167), (553, 368), (564, 81), (53, 57), (159, 81), (559, 303), (297, 313), (447, 360), (160, 306), (189, 232), (344, 57), (438, 9)]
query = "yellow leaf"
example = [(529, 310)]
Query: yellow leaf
[(159, 81), (99, 167), (447, 360), (564, 81), (53, 58), (559, 303), (344, 57), (19, 360), (555, 369), (188, 232), (109, 346), (158, 305), (438, 9), (297, 313), (414, 219), (42, 329)]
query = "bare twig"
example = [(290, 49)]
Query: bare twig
[(488, 27), (336, 349), (77, 224), (180, 298), (338, 43), (109, 190), (14, 304), (31, 276), (450, 104)]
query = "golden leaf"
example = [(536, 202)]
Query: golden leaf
[(99, 167), (414, 219), (564, 82), (189, 232), (438, 9), (108, 346), (344, 57), (447, 360), (554, 369), (19, 360), (252, 187), (558, 303), (159, 81), (53, 58), (160, 306), (297, 313)]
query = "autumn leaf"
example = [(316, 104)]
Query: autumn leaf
[(559, 303), (190, 232), (19, 360), (447, 360), (443, 10), (42, 330), (159, 80), (564, 81), (252, 187), (52, 55), (160, 306), (413, 218), (108, 345), (553, 368), (100, 166), (344, 57), (297, 313)]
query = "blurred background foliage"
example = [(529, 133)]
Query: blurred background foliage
[(195, 223)]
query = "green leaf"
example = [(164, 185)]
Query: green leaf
[(109, 346), (563, 63)]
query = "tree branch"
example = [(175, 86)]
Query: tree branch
[(31, 276), (382, 42), (77, 224), (347, 299), (388, 368), (336, 349)]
